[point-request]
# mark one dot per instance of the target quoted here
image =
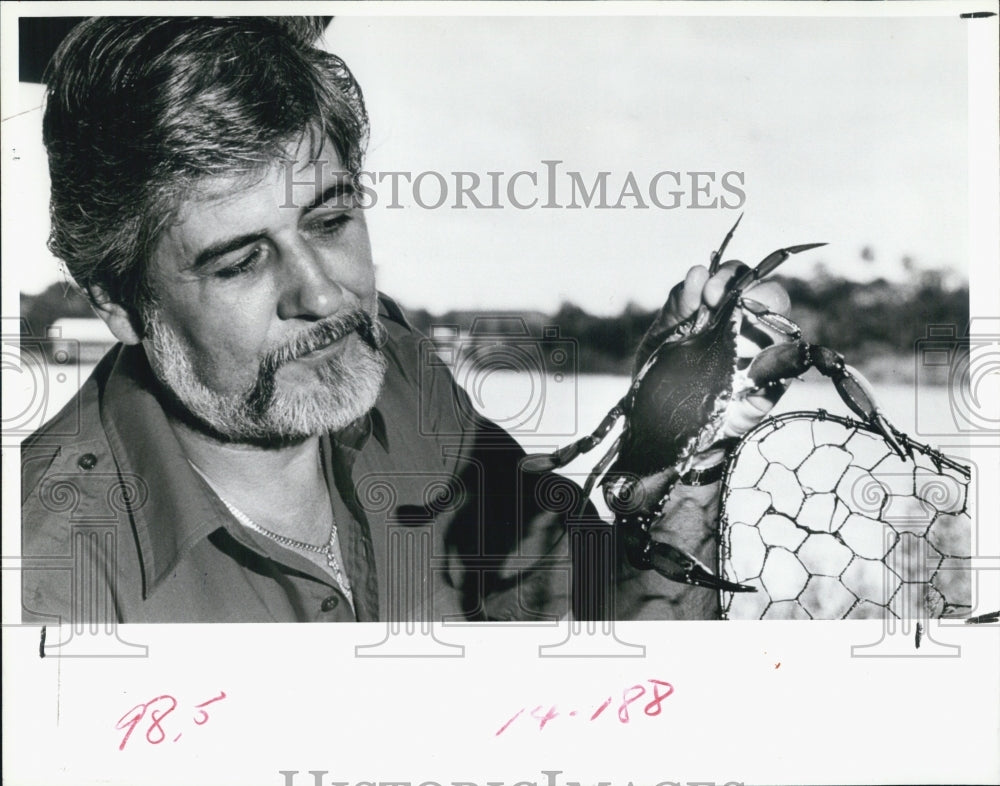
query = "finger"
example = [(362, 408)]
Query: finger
[(766, 398), (772, 295), (715, 287), (768, 293), (686, 297), (746, 413)]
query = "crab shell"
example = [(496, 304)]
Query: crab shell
[(675, 409)]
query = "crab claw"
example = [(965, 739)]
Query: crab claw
[(791, 359), (676, 565), (856, 391), (779, 362), (885, 429), (767, 265)]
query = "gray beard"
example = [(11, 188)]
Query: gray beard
[(265, 413)]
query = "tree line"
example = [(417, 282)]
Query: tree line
[(875, 324)]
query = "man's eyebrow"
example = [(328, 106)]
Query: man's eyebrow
[(340, 193), (224, 247)]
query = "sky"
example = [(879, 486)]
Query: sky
[(851, 131)]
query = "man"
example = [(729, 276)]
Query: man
[(267, 442)]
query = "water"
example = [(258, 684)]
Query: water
[(541, 411)]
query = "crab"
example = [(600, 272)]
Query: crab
[(677, 405)]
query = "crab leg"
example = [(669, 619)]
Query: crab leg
[(772, 319), (676, 565), (742, 280), (783, 361), (646, 553), (597, 471), (717, 255), (547, 462)]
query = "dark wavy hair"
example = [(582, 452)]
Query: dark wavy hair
[(139, 110)]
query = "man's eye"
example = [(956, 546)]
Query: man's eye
[(244, 265), (331, 225)]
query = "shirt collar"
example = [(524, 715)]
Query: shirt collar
[(355, 435), (175, 511), (174, 508)]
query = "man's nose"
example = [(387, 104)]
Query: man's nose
[(310, 289)]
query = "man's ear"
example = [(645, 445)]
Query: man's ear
[(115, 316)]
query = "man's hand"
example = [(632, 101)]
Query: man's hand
[(698, 289)]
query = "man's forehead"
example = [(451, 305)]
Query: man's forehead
[(294, 182), (307, 166), (254, 202)]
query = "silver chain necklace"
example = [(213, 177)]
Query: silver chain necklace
[(329, 550)]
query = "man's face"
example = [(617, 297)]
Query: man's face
[(265, 323)]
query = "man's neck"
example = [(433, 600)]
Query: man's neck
[(272, 485)]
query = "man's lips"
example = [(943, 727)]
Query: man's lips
[(318, 344), (324, 351)]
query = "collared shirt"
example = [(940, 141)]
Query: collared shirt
[(435, 518)]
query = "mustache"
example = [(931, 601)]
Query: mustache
[(318, 336), (321, 334)]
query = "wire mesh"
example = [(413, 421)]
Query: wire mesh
[(828, 522)]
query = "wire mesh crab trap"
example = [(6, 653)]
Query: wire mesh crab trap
[(828, 522)]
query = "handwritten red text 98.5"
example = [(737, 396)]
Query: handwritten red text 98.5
[(659, 691), (156, 712)]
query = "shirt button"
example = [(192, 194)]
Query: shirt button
[(87, 461), (329, 604)]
